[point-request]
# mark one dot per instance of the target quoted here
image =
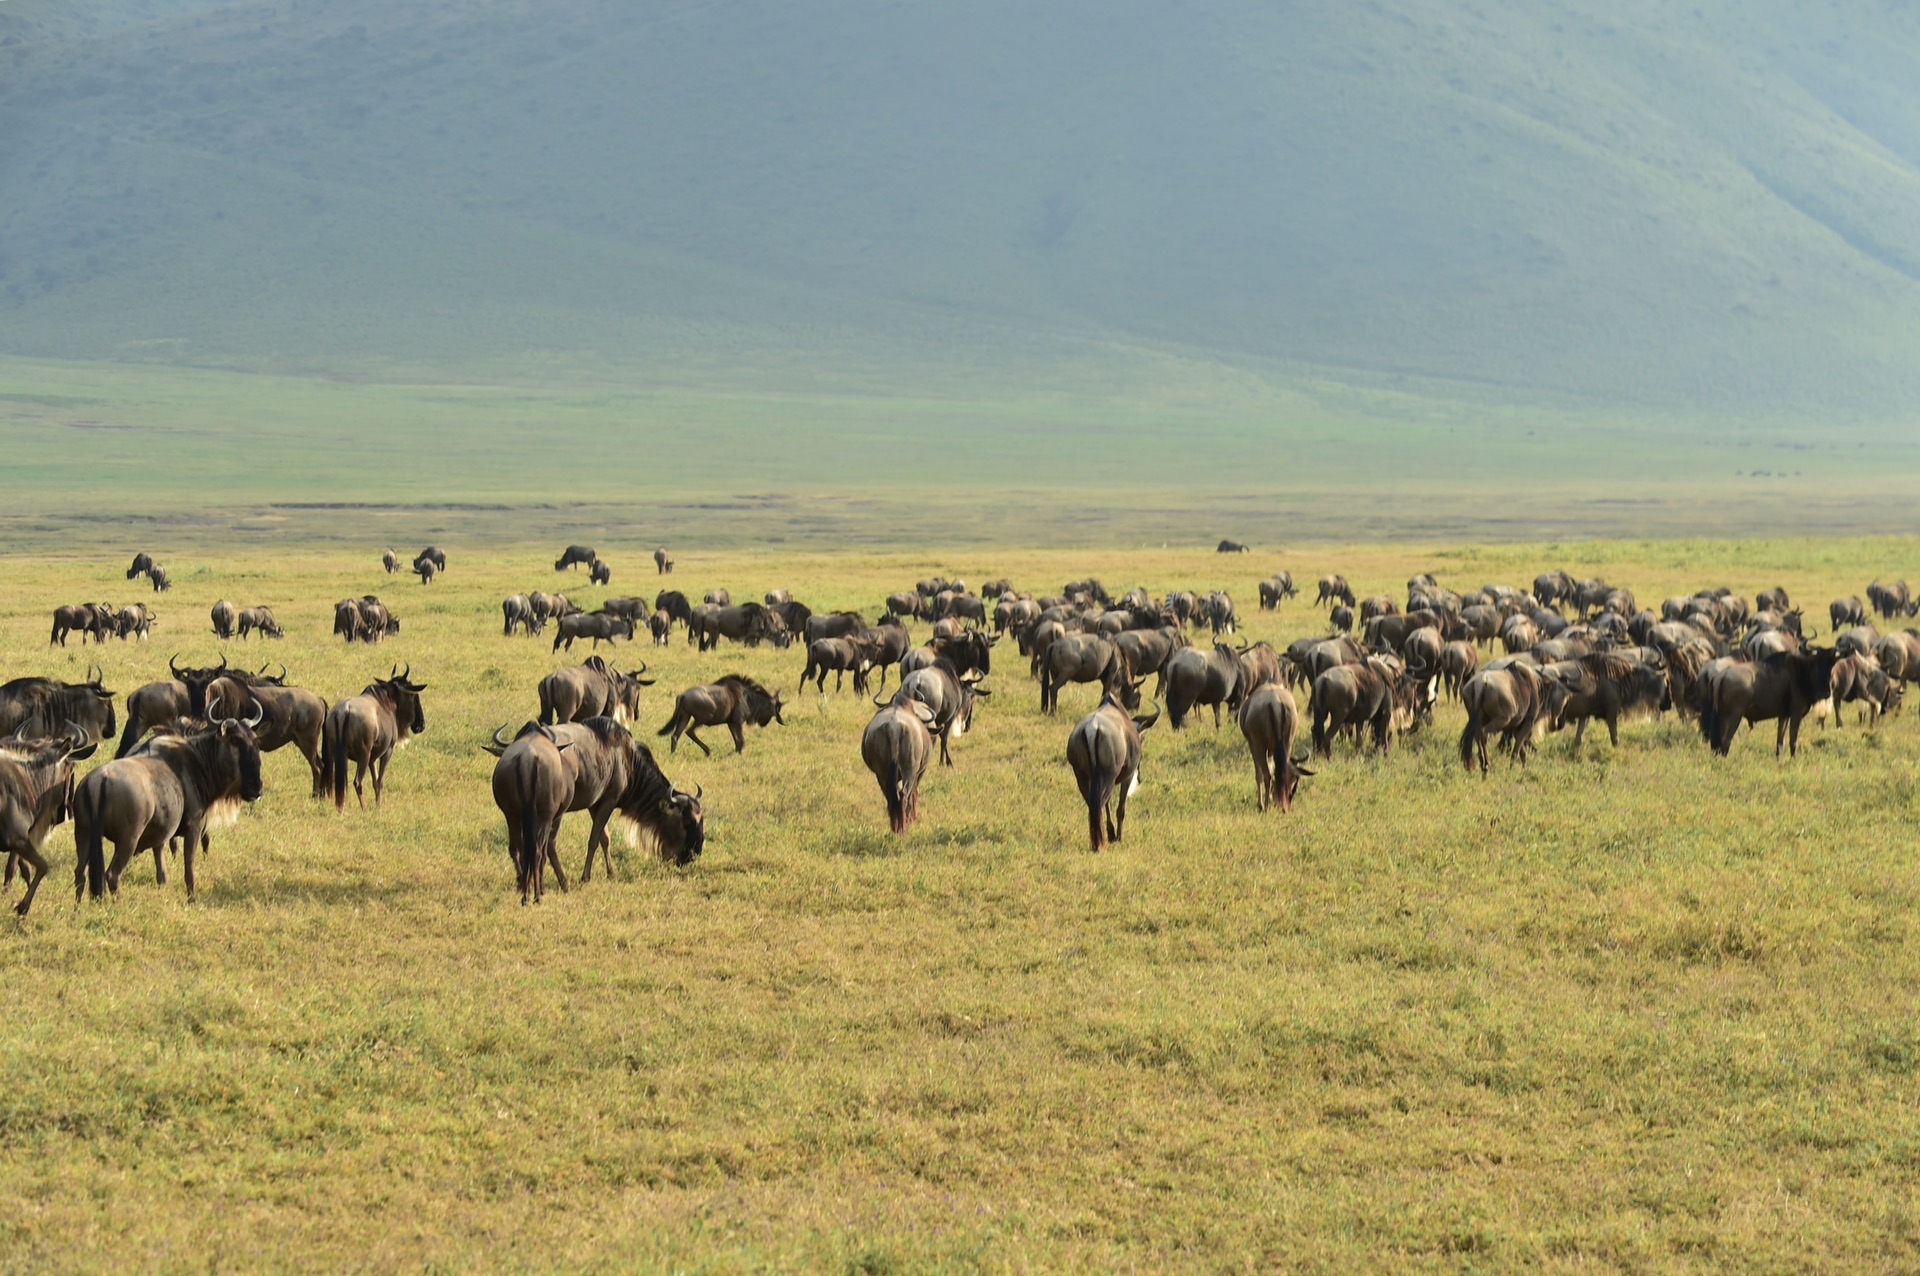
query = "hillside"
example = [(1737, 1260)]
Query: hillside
[(1614, 208)]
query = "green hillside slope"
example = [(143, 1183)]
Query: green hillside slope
[(1617, 207)]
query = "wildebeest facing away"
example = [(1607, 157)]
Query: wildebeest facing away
[(1104, 750), (897, 746), (42, 709), (1274, 588), (36, 794), (224, 614), (597, 625), (1890, 601), (734, 700), (134, 621), (1784, 687), (390, 561), (1232, 547), (593, 689), (615, 776), (365, 729), (1510, 700), (159, 578), (948, 696), (261, 618), (172, 787), (425, 569), (1194, 677), (1335, 589), (1270, 721), (599, 573), (574, 556), (662, 562), (363, 619), (517, 609)]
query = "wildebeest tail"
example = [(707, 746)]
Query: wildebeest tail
[(333, 763), (1468, 734), (1103, 780), (671, 723), (892, 788), (531, 850), (546, 705), (95, 848)]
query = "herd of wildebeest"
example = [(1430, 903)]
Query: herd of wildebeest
[(1569, 652)]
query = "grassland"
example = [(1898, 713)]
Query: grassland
[(1639, 1009)]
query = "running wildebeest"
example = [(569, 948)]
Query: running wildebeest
[(897, 746), (171, 787), (734, 700), (390, 561), (593, 689), (41, 709), (575, 556), (1104, 750), (1232, 547), (1340, 619), (597, 625), (662, 562), (599, 573), (1784, 687), (612, 775), (365, 729), (224, 613), (1270, 721), (261, 618), (36, 794)]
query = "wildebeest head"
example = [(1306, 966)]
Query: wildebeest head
[(406, 699), (500, 744)]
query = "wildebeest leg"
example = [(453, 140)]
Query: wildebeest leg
[(1793, 737), (1580, 733), (380, 777), (359, 777), (553, 852), (597, 837), (124, 849), (693, 736), (1613, 731), (13, 865), (311, 753), (1780, 737), (736, 728), (1122, 788), (196, 840), (1216, 716), (29, 858)]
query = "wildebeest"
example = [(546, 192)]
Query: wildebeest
[(948, 696), (142, 563), (390, 561), (1232, 547), (1335, 589), (36, 794), (886, 646), (750, 623), (41, 709), (1148, 650), (1104, 750), (1608, 687), (159, 578), (517, 609), (1274, 588), (532, 787), (1784, 687), (1193, 677), (1340, 619), (1890, 601), (592, 689), (1551, 588), (660, 625), (1375, 694), (634, 609), (346, 619), (153, 703), (910, 605), (599, 573), (376, 622), (969, 652), (718, 597), (1085, 658), (734, 700), (261, 618), (1218, 610), (96, 619), (173, 786), (1771, 600), (833, 624), (597, 625), (288, 715), (431, 554), (839, 657), (662, 562), (1270, 721), (425, 570), (1510, 700), (1846, 613), (897, 746), (608, 774), (365, 729), (1858, 678), (574, 556), (1458, 662), (134, 621), (675, 604), (224, 614), (1899, 655)]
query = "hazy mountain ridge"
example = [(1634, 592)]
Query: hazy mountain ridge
[(1615, 206)]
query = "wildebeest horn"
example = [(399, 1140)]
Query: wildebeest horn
[(259, 713), (393, 674), (94, 674), (283, 671), (496, 735), (173, 664), (223, 660), (1147, 720), (408, 675)]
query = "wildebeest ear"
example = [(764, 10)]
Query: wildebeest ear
[(561, 746), (82, 754), (495, 749)]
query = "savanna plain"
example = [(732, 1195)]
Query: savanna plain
[(1637, 1009)]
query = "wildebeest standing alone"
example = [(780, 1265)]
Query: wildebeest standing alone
[(171, 787), (365, 729), (1104, 751), (36, 793), (734, 700), (897, 746), (390, 561), (662, 562)]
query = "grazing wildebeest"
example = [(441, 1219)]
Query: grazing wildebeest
[(1510, 700), (1374, 693), (1846, 613), (1193, 677), (1148, 650), (1085, 658), (142, 564), (365, 729), (1784, 687), (1458, 662), (719, 597), (1232, 547), (160, 579), (1104, 751), (839, 657), (597, 625), (224, 613), (1340, 619), (346, 619), (288, 715), (660, 625), (376, 622), (1858, 641), (574, 556), (675, 604), (897, 746), (431, 554), (1274, 588), (599, 573), (75, 617), (517, 609), (662, 562), (948, 696), (1270, 721), (41, 709), (1858, 678), (261, 618), (173, 786), (425, 570), (390, 561), (1890, 601), (1335, 589), (36, 794), (750, 623), (135, 621), (1899, 655), (592, 689), (1608, 687), (734, 700), (793, 618), (614, 776)]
